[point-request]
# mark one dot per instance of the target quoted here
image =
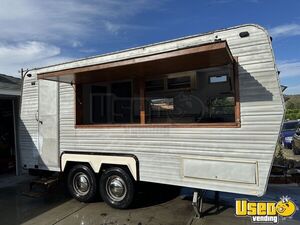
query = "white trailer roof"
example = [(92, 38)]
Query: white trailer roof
[(168, 45)]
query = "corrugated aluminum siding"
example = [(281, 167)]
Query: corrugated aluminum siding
[(160, 151), (28, 125)]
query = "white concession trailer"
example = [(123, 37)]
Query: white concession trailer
[(203, 111)]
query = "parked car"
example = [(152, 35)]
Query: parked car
[(296, 141), (287, 133)]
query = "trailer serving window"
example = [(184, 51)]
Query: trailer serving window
[(192, 87), (188, 98), (109, 103)]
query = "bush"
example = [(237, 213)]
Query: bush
[(292, 107), (292, 114)]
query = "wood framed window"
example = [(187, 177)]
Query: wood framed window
[(107, 103), (183, 99)]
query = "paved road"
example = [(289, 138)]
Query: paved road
[(157, 204)]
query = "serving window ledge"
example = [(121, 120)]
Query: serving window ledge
[(162, 125)]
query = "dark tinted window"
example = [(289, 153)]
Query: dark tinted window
[(290, 126), (111, 103), (155, 85), (203, 103), (179, 82), (222, 109)]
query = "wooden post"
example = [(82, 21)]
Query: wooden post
[(237, 93), (78, 104), (142, 101)]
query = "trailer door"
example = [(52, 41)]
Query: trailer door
[(48, 125)]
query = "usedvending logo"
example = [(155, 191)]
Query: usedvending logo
[(265, 211)]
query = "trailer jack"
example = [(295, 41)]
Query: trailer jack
[(198, 202)]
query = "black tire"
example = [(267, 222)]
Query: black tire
[(82, 183), (122, 195)]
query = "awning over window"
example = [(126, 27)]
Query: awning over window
[(203, 56)]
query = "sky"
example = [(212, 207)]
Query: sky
[(38, 33)]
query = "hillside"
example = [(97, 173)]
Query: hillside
[(292, 107)]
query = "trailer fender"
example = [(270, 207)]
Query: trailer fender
[(96, 160)]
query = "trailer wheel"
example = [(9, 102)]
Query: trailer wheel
[(82, 183), (117, 187)]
